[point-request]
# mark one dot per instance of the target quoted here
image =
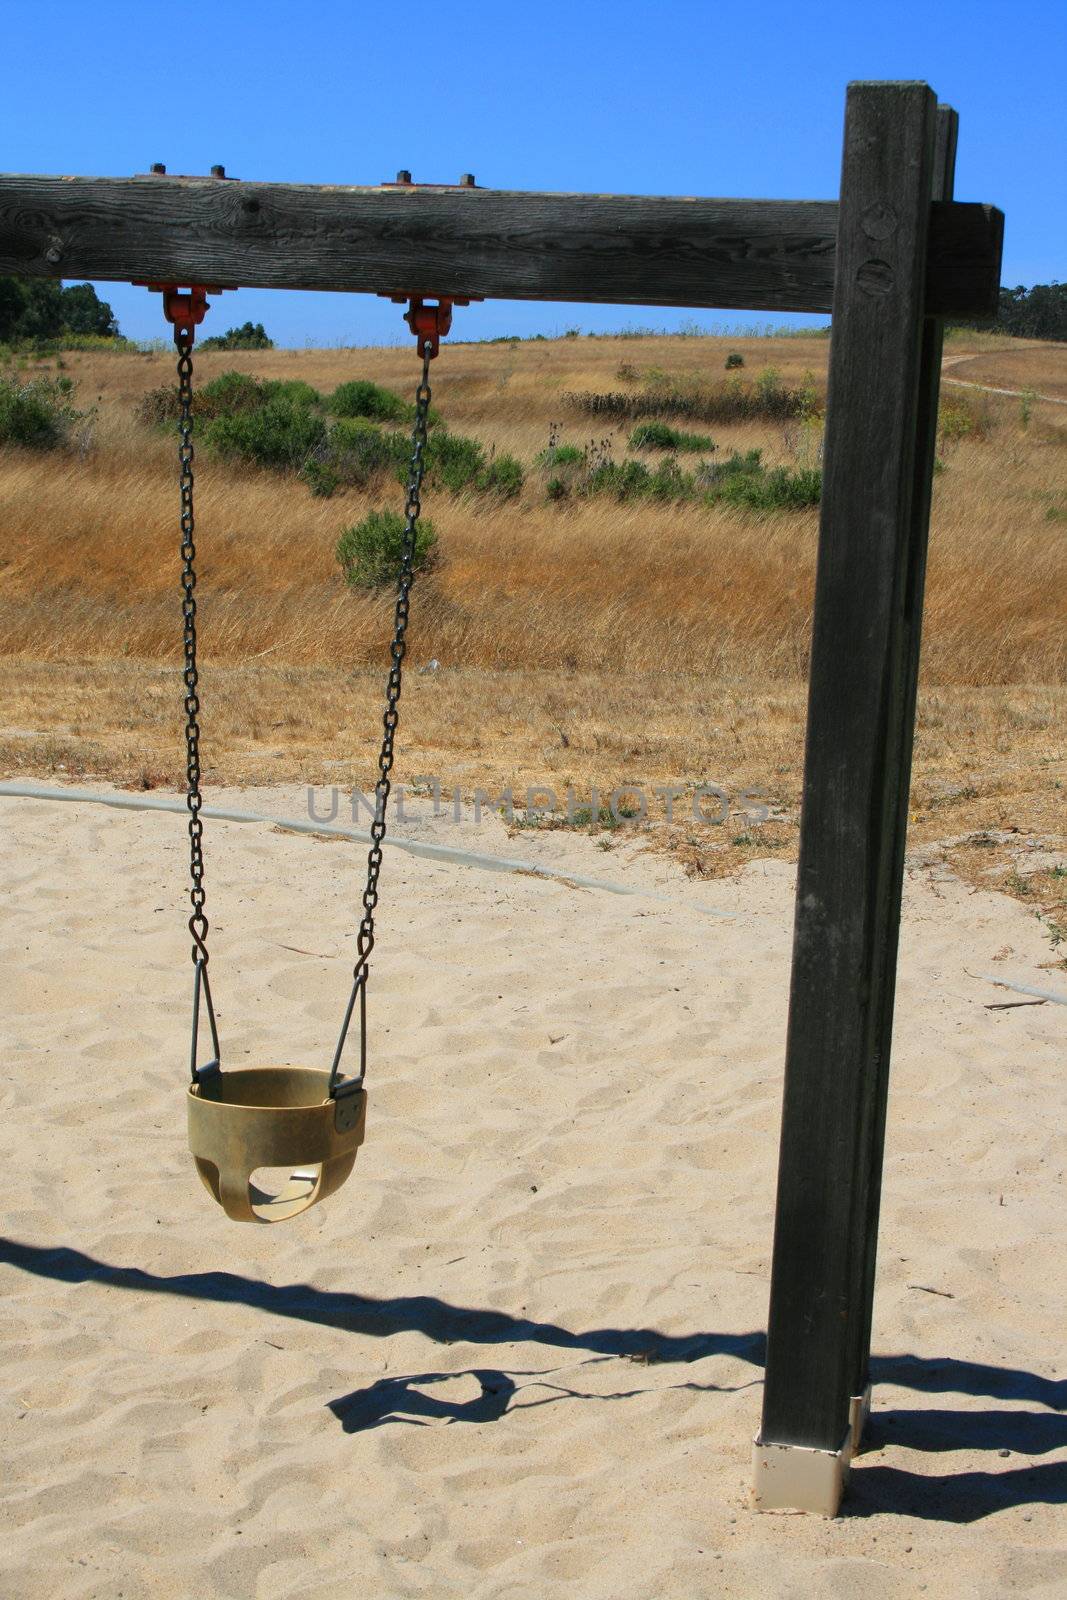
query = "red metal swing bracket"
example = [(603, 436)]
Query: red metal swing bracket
[(185, 309), (430, 324)]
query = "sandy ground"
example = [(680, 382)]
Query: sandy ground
[(519, 1354)]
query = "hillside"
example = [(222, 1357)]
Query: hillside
[(588, 641)]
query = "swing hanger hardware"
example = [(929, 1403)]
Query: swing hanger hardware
[(185, 309), (430, 323)]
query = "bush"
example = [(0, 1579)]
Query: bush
[(357, 451), (250, 336), (561, 455), (361, 398), (626, 480), (735, 465), (280, 434), (962, 416), (370, 552), (734, 359), (458, 464), (503, 476), (294, 389), (658, 436), (729, 401), (225, 396), (740, 480), (781, 489), (320, 477), (35, 415), (452, 461), (230, 392)]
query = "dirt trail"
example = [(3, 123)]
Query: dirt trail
[(965, 383)]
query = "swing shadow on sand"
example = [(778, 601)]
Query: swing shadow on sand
[(409, 1400)]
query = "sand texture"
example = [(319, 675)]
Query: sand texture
[(518, 1355)]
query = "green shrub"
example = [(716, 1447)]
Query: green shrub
[(361, 398), (503, 476), (280, 434), (561, 455), (320, 477), (741, 480), (358, 452), (294, 389), (669, 482), (370, 551), (626, 480), (35, 415), (659, 436), (781, 489), (734, 359), (735, 465), (227, 395), (452, 461), (229, 392)]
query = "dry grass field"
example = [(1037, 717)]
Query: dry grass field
[(581, 643)]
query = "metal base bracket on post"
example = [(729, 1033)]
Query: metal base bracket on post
[(859, 1411), (794, 1477)]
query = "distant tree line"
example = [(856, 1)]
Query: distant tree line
[(41, 308), (1037, 313), (249, 336)]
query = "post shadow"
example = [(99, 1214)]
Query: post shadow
[(960, 1497)]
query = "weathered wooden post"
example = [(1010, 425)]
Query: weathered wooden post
[(880, 443)]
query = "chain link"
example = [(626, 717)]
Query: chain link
[(365, 939), (198, 923)]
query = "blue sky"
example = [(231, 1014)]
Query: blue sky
[(682, 98)]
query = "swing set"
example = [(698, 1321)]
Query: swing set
[(309, 1120), (891, 259)]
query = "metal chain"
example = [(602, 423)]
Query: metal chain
[(198, 923), (365, 940)]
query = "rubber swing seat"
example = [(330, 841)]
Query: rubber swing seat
[(240, 1122)]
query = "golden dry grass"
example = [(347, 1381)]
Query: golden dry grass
[(588, 643)]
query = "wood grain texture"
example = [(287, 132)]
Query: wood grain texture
[(760, 255), (902, 736), (848, 878)]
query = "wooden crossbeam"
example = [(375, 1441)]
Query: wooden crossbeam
[(759, 255)]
